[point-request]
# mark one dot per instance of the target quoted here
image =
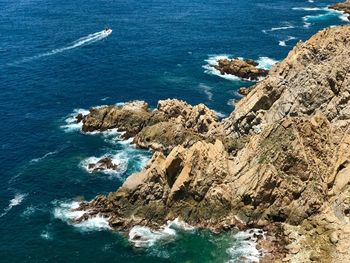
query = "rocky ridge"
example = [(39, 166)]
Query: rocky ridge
[(279, 162)]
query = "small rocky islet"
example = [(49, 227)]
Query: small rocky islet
[(279, 162), (243, 68)]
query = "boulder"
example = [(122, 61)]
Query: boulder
[(246, 69), (105, 163)]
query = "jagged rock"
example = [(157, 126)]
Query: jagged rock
[(246, 69), (79, 118), (314, 76), (130, 118), (173, 122), (344, 7), (105, 163)]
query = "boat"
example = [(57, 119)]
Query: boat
[(107, 30)]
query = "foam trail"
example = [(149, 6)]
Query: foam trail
[(285, 26), (307, 8), (17, 200), (83, 41), (36, 160), (207, 90)]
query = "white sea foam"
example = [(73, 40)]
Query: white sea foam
[(29, 211), (244, 245), (63, 211), (328, 13), (266, 62), (83, 41), (71, 122), (283, 43), (231, 102), (284, 26), (142, 236), (15, 201), (120, 159), (46, 235), (307, 8)]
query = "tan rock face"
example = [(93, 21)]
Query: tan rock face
[(314, 76)]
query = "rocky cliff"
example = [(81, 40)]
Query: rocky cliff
[(279, 162)]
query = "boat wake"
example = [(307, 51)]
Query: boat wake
[(83, 41)]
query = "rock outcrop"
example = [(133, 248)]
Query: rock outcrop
[(174, 122), (343, 7), (246, 69), (281, 161)]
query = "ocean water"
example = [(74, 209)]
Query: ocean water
[(56, 61)]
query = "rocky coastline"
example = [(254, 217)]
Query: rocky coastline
[(343, 7), (279, 162)]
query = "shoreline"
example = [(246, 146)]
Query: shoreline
[(256, 168)]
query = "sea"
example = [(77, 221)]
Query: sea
[(56, 61)]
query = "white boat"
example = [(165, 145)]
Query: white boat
[(107, 31)]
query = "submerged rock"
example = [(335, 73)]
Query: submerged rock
[(103, 164), (246, 69)]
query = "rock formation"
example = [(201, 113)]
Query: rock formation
[(105, 163), (246, 69), (174, 122), (343, 7), (279, 162)]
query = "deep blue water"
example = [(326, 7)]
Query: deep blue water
[(50, 65)]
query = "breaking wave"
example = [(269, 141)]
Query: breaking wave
[(142, 236), (83, 41), (244, 245), (63, 211), (266, 62), (71, 122)]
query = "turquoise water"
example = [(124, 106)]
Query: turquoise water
[(54, 60)]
